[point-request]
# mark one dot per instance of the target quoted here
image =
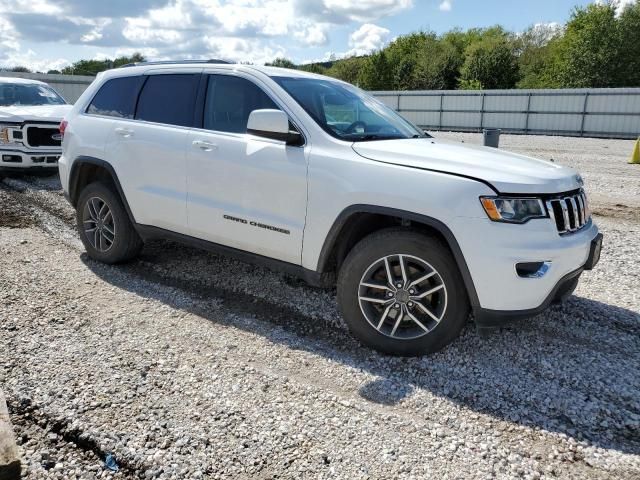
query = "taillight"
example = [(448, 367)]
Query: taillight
[(63, 127)]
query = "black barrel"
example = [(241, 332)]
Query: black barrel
[(491, 137)]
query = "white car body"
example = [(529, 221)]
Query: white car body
[(287, 203), (23, 149)]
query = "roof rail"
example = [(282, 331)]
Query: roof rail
[(173, 62)]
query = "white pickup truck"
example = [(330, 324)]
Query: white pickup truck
[(30, 112), (312, 175)]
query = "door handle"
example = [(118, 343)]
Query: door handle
[(205, 146), (124, 132)]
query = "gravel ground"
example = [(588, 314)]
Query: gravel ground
[(188, 365)]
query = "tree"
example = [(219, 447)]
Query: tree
[(313, 68), (282, 63), (473, 84), (439, 66), (598, 47), (588, 55), (376, 73), (20, 69), (492, 62), (421, 61), (629, 35), (347, 69), (93, 67), (534, 50)]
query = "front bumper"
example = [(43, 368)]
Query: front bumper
[(486, 318), (19, 160), (492, 250)]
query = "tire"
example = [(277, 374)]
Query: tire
[(415, 334), (116, 240)]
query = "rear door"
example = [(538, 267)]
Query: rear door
[(245, 191), (148, 151)]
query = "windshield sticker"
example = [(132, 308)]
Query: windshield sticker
[(43, 92)]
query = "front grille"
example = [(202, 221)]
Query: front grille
[(570, 212), (43, 137)]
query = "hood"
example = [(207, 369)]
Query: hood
[(507, 172), (31, 113)]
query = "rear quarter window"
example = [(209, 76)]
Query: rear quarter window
[(116, 98)]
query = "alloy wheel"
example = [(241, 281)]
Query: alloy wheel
[(99, 226), (402, 296)]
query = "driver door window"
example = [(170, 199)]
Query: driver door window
[(229, 102)]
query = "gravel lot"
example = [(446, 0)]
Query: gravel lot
[(188, 365)]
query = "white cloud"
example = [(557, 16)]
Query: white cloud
[(35, 6), (33, 61), (146, 52), (242, 50), (446, 5), (245, 30), (313, 35), (367, 38), (344, 11), (8, 37), (619, 4)]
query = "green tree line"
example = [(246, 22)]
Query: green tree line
[(597, 47), (87, 67)]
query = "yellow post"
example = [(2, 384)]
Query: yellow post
[(635, 156)]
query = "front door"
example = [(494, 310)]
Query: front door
[(244, 192)]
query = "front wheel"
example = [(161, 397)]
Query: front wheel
[(401, 292)]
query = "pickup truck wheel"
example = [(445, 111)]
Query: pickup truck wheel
[(400, 292), (104, 226)]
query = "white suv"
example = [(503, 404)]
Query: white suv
[(311, 175)]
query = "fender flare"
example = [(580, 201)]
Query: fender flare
[(440, 227), (74, 178)]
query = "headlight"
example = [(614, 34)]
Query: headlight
[(5, 134), (513, 210)]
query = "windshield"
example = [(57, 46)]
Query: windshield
[(346, 112), (28, 94)]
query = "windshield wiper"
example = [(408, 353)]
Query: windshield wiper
[(373, 136)]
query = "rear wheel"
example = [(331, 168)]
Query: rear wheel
[(400, 292), (104, 226)]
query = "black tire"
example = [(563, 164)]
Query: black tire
[(408, 243), (126, 244)]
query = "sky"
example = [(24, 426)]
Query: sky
[(50, 34)]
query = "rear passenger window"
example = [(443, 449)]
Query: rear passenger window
[(116, 98), (229, 102), (168, 99)]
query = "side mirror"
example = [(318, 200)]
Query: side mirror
[(269, 123), (273, 124)]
